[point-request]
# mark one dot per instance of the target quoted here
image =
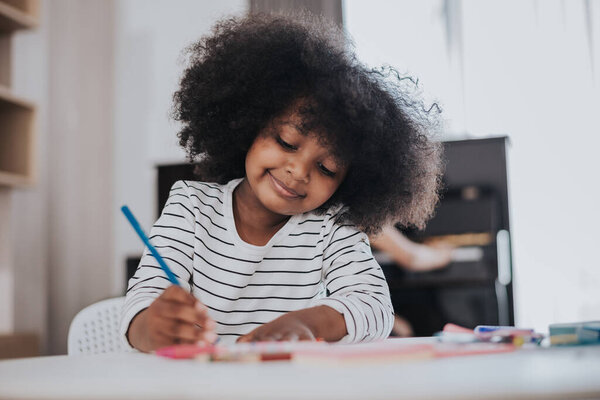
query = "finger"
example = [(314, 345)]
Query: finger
[(179, 330), (172, 341), (208, 324), (290, 337), (277, 337), (188, 332), (246, 338), (250, 336), (207, 337), (178, 294), (203, 318), (306, 336), (267, 337), (187, 313), (159, 340)]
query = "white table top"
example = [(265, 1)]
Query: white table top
[(572, 372)]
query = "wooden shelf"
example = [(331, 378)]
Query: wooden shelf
[(14, 180), (7, 96), (18, 14), (17, 155), (17, 126)]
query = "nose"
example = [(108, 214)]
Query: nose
[(299, 169)]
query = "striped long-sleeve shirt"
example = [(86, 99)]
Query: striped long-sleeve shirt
[(310, 261)]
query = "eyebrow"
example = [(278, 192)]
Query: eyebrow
[(293, 125)]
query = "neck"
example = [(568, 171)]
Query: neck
[(255, 223)]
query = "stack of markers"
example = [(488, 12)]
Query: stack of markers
[(575, 333), (491, 334), (507, 334)]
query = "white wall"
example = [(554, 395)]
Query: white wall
[(524, 69), (150, 38)]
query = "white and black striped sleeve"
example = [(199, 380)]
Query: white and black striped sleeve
[(173, 237), (356, 286)]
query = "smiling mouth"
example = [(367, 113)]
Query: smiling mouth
[(283, 190)]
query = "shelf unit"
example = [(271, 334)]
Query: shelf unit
[(17, 115), (17, 119), (18, 14), (17, 143)]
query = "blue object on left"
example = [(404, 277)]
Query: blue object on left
[(493, 328), (136, 226)]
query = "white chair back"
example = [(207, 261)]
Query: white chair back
[(95, 329)]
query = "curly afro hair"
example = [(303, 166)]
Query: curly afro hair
[(252, 70)]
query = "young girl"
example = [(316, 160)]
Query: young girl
[(303, 151)]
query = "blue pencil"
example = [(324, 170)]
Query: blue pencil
[(146, 241)]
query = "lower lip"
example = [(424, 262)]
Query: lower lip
[(281, 190)]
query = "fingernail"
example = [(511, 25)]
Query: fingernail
[(200, 343), (200, 306), (210, 336)]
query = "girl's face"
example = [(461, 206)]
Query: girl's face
[(289, 172)]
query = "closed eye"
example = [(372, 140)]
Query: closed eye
[(285, 144), (325, 171)]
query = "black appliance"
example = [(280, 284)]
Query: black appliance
[(473, 214)]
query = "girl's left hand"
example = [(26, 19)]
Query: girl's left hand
[(288, 327)]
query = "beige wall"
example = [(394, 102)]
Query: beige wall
[(62, 226), (102, 73), (6, 263), (80, 125)]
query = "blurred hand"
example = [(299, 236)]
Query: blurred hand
[(176, 317), (411, 255), (288, 327), (429, 257), (402, 327)]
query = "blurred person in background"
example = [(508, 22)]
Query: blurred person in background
[(410, 256)]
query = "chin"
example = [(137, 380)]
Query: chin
[(282, 209), (280, 206)]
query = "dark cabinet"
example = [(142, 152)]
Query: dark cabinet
[(473, 214)]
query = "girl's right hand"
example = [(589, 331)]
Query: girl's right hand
[(175, 317)]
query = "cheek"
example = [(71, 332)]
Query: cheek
[(323, 189), (261, 155), (255, 159)]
